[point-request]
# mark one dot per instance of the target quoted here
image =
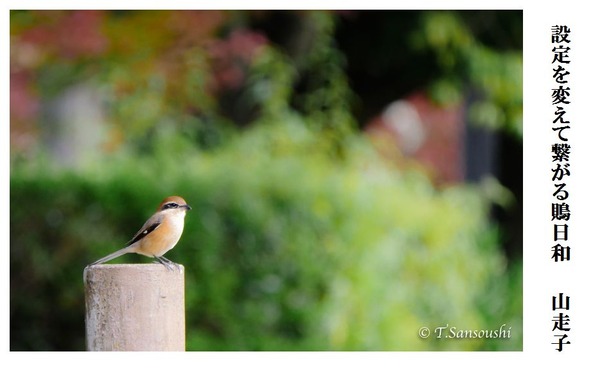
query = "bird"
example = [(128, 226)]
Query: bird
[(158, 235)]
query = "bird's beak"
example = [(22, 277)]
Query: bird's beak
[(186, 206)]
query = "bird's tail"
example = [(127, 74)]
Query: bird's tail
[(113, 255)]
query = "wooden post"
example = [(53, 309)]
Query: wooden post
[(134, 307)]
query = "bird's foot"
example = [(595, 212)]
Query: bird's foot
[(171, 266)]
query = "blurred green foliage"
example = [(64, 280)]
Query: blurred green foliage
[(454, 55), (286, 248), (301, 237)]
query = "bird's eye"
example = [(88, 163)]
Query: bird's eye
[(170, 205)]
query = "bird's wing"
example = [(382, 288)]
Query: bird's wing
[(148, 228)]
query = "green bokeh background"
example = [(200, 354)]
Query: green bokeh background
[(301, 237)]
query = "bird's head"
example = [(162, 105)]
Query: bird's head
[(176, 203)]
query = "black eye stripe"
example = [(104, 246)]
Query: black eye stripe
[(170, 205)]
